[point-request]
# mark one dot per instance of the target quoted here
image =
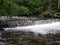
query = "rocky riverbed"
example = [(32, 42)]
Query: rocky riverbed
[(28, 37)]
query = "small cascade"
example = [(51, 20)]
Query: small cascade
[(15, 23), (47, 26), (24, 22)]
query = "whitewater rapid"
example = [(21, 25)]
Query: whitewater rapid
[(52, 27)]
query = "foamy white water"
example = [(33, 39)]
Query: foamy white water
[(40, 28)]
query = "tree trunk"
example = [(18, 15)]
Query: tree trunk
[(58, 4)]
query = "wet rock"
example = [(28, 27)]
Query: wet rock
[(3, 23), (1, 29), (2, 43)]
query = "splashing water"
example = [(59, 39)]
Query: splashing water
[(39, 28)]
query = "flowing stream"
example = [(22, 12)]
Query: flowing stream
[(38, 26)]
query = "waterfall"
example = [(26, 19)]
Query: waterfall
[(24, 22), (40, 26)]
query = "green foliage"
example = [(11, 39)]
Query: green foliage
[(24, 11), (27, 7), (8, 8)]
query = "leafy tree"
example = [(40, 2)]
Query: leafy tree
[(8, 7), (28, 7), (24, 11)]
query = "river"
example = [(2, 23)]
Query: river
[(35, 25)]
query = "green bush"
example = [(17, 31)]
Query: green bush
[(24, 11), (27, 7)]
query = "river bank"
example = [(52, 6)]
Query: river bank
[(30, 17)]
